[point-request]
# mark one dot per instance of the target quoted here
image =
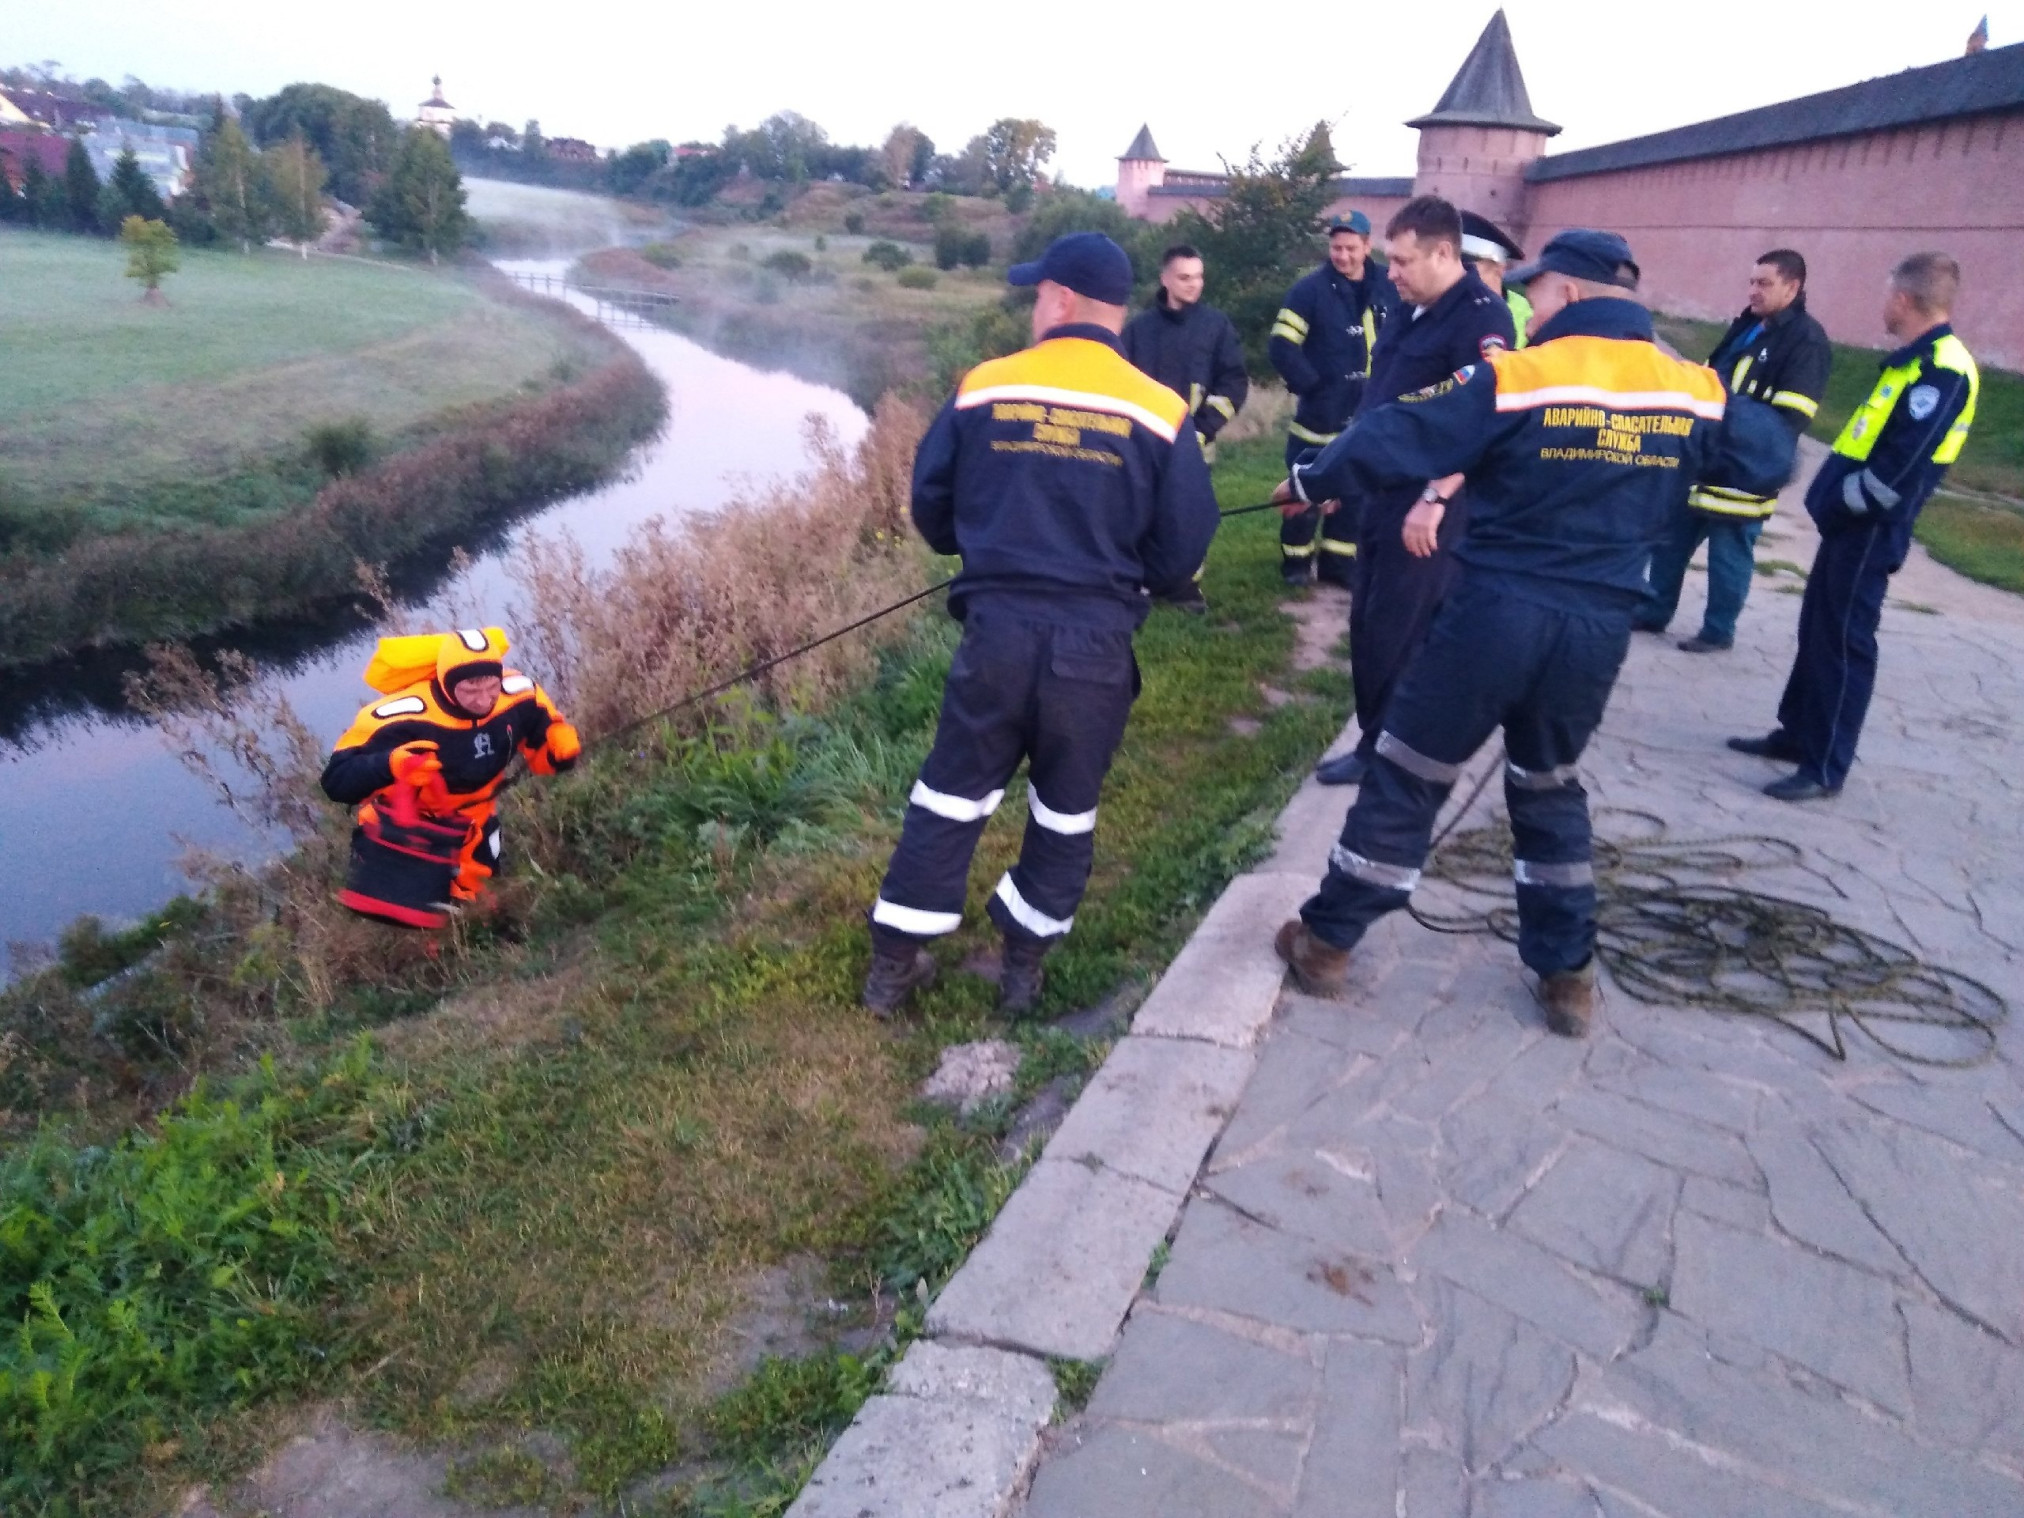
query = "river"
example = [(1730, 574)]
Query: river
[(95, 812)]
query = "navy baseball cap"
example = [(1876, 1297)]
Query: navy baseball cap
[(1088, 263), (1350, 221), (1582, 253)]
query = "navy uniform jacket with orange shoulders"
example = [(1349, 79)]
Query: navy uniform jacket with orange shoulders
[(1067, 480)]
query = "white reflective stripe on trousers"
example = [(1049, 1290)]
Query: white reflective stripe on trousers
[(1389, 877), (1059, 822), (1028, 916), (1566, 876), (1413, 762), (890, 914), (1540, 780), (955, 808)]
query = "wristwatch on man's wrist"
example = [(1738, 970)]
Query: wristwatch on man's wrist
[(1433, 497)]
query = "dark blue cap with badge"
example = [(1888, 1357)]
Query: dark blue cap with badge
[(1582, 253), (1088, 263), (1350, 221)]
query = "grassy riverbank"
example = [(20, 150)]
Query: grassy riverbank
[(1975, 524), (521, 1199), (169, 471), (837, 321)]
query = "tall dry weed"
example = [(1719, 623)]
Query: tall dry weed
[(684, 604), (1267, 411)]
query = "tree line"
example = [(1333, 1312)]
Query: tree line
[(264, 174)]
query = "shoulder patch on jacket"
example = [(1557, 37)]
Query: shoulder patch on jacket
[(1075, 373), (516, 685), (1923, 401), (405, 706)]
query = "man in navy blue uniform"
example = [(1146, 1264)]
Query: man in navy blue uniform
[(1865, 500), (1322, 343), (1451, 319), (1074, 488), (1578, 450)]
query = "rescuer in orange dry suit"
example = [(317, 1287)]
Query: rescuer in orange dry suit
[(423, 764)]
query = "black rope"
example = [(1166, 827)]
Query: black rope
[(1674, 931), (1245, 511)]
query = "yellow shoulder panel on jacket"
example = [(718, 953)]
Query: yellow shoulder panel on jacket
[(414, 704), (1629, 375), (1075, 373)]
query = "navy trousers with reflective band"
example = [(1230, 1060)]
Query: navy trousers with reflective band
[(1018, 688), (1395, 598), (1329, 541), (1490, 661), (1834, 671), (1732, 561)]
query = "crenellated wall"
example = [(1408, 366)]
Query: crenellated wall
[(1852, 205)]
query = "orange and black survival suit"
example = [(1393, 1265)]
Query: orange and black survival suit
[(423, 772), (1073, 487), (1578, 450)]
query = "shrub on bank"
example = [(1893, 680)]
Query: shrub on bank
[(510, 455), (887, 255), (916, 279)]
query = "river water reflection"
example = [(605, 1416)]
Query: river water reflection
[(95, 811)]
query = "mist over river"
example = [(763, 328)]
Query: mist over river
[(95, 811)]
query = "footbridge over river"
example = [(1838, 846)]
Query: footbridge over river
[(617, 305)]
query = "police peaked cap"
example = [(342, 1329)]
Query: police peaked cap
[(1483, 238)]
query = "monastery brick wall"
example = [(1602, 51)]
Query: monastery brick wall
[(1853, 206)]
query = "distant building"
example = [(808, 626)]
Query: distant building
[(55, 112), (572, 150), (12, 117), (167, 155), (436, 113), (1854, 178), (17, 147)]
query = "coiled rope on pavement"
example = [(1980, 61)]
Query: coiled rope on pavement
[(1675, 930)]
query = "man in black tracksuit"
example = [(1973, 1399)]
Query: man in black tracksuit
[(1776, 353), (1073, 486), (1577, 452), (1322, 342), (1193, 350), (1452, 320)]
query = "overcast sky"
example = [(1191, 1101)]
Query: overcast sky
[(617, 73)]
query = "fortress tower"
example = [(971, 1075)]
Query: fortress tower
[(1476, 145), (1139, 169)]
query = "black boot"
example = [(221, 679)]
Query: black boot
[(1019, 975), (895, 970)]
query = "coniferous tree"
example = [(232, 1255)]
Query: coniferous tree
[(42, 199), (128, 192), (228, 179), (421, 206), (80, 189)]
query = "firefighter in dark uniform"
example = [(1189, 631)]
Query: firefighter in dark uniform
[(1489, 250), (423, 764), (1776, 353), (1451, 319), (1888, 460), (1577, 450), (1074, 488), (1193, 350), (1322, 343)]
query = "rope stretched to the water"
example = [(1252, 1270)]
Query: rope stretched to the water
[(1674, 931)]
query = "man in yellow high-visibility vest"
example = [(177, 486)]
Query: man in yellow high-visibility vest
[(1886, 463)]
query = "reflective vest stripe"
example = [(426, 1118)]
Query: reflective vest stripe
[(1867, 422), (1294, 322), (1730, 503), (1792, 400), (1309, 435)]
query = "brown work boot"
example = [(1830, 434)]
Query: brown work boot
[(1019, 974), (1319, 969), (1569, 999), (894, 973)]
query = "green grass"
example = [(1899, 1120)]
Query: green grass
[(568, 1173), (134, 415), (1981, 539)]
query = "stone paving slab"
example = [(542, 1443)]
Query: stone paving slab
[(1443, 1265), (1222, 986), (1154, 1109), (952, 1436)]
